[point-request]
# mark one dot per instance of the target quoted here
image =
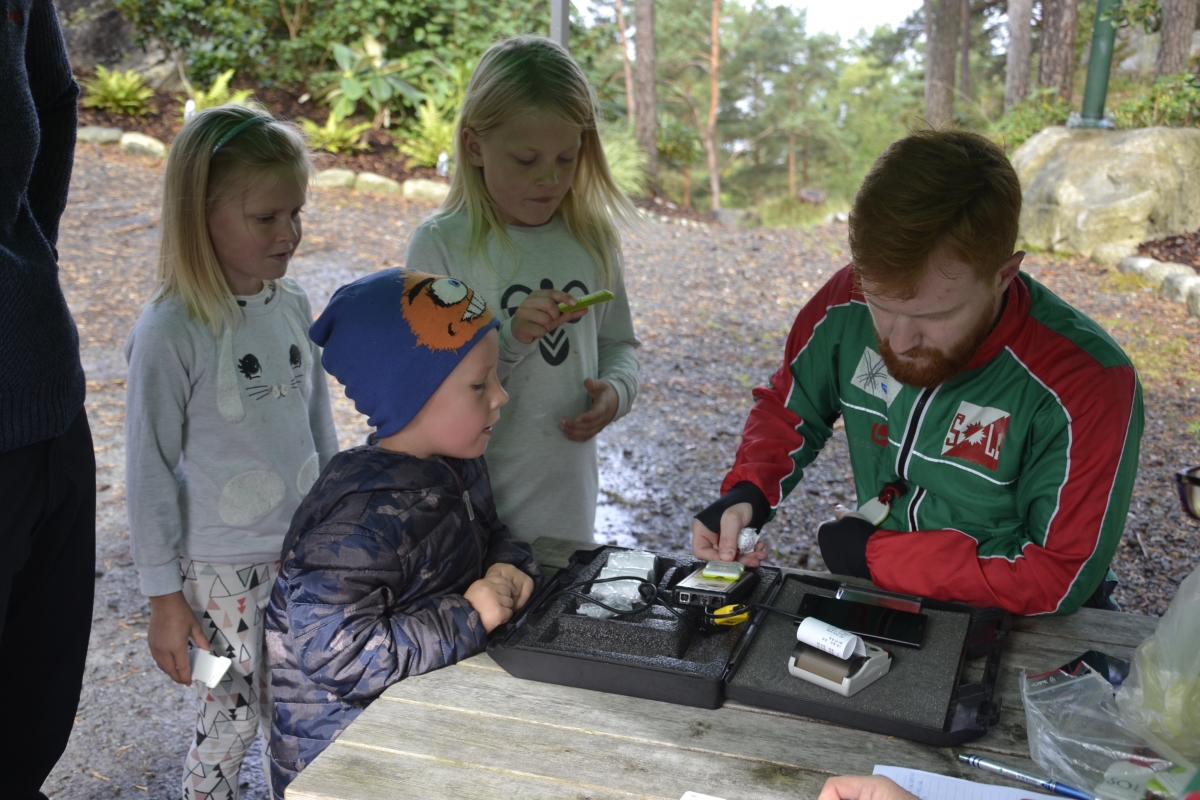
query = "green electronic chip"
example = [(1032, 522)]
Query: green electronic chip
[(602, 296)]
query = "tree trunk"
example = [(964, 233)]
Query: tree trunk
[(714, 99), (630, 103), (964, 67), (687, 185), (804, 163), (1058, 45), (943, 26), (1178, 20), (792, 165), (1020, 45), (644, 78)]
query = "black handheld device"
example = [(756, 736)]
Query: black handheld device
[(697, 590), (869, 621)]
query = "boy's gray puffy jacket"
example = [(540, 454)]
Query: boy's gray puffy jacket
[(371, 587)]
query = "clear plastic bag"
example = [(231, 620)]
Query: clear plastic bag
[(1162, 692), (1077, 736), (1141, 743)]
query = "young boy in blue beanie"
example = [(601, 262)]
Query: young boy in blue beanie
[(395, 563)]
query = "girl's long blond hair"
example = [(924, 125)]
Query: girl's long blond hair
[(197, 179), (514, 77)]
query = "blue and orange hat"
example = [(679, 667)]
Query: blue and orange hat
[(392, 337)]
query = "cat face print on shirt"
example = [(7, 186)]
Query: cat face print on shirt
[(443, 313), (260, 386), (555, 346)]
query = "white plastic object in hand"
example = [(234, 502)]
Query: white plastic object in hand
[(747, 539), (874, 511), (207, 668)]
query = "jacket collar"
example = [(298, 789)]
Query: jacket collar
[(1012, 319)]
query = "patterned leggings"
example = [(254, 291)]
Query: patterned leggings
[(229, 600)]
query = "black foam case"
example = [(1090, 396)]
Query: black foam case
[(652, 655)]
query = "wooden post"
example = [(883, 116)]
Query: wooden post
[(560, 22)]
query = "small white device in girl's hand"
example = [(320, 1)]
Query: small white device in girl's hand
[(207, 668)]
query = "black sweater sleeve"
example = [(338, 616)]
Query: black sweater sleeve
[(54, 95)]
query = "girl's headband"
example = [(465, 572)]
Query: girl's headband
[(236, 129)]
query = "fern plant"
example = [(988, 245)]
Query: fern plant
[(431, 136), (217, 95), (119, 92), (336, 135)]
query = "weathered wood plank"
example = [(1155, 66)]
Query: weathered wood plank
[(1102, 628), (780, 739), (349, 772), (627, 761)]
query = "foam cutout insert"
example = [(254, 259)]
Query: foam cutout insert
[(654, 637), (928, 675)]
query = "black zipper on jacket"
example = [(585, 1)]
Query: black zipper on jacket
[(466, 498), (910, 435)]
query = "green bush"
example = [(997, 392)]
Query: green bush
[(428, 138), (336, 135), (288, 41), (1173, 100), (366, 74), (218, 94), (625, 159), (1040, 110), (119, 92)]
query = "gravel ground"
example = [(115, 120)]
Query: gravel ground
[(712, 307)]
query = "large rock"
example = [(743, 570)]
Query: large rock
[(341, 178), (1135, 265), (422, 189), (1087, 187), (1177, 287), (1111, 253), (143, 145), (1159, 271), (96, 134), (376, 184)]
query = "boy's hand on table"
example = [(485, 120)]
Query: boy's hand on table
[(604, 407), (538, 314), (722, 546), (171, 624), (522, 584), (862, 787), (493, 597)]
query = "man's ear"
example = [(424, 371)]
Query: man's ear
[(1009, 270), (471, 147)]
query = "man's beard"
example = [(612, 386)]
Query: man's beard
[(926, 367)]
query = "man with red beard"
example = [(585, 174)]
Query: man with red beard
[(993, 429)]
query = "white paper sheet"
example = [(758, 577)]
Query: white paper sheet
[(931, 786)]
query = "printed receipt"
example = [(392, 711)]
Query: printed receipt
[(826, 638)]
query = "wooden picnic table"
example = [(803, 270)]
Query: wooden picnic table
[(473, 731)]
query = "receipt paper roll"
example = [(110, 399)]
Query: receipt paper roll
[(826, 638)]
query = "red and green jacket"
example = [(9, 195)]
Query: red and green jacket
[(1019, 469)]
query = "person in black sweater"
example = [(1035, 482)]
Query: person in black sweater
[(47, 465)]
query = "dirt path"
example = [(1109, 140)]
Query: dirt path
[(712, 308)]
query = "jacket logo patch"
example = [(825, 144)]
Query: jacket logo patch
[(976, 435), (873, 378)]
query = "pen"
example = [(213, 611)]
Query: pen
[(1025, 777)]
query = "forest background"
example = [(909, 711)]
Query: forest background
[(751, 111)]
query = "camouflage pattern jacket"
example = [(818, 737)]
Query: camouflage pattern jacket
[(371, 587)]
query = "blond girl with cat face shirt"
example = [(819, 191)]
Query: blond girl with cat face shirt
[(228, 421)]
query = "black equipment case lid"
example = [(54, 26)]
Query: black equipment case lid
[(657, 656)]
